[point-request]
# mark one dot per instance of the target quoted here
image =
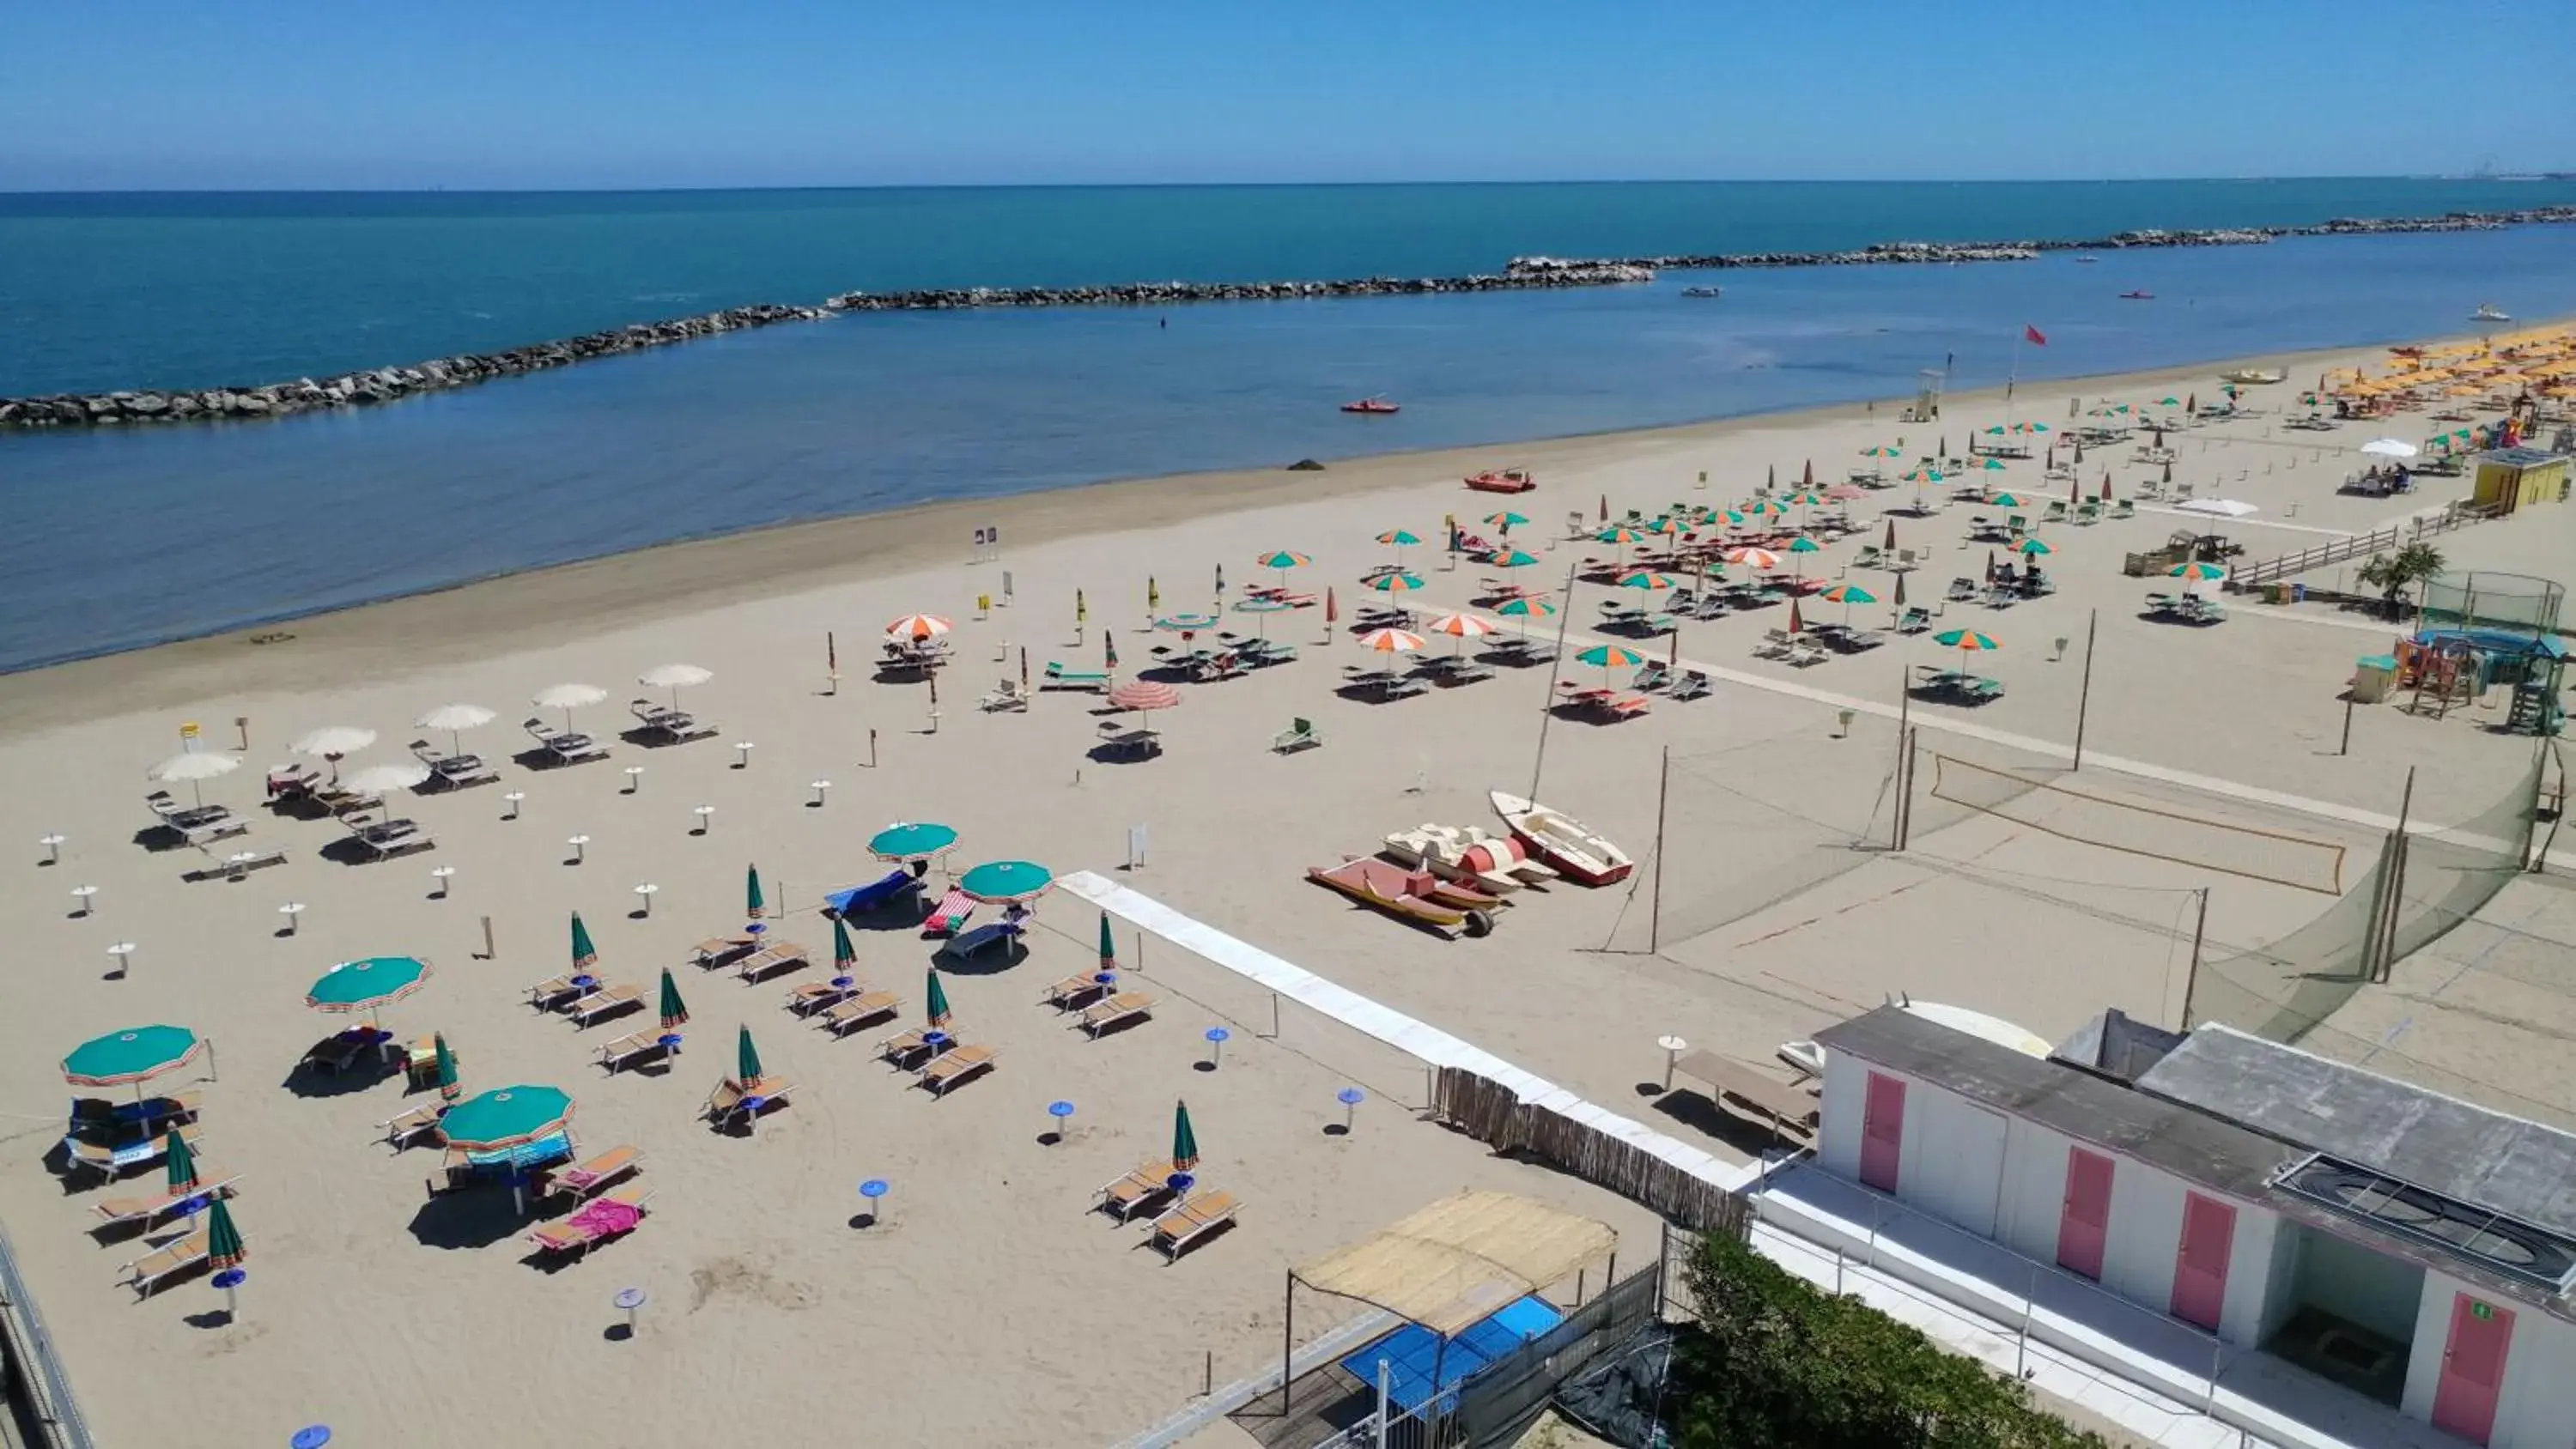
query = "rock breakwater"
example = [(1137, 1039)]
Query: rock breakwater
[(387, 384)]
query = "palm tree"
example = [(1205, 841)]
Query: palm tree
[(2393, 574)]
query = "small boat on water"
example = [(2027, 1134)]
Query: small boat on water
[(2137, 296), (1703, 291), (2490, 312), (2083, 260), (1503, 480), (1413, 895), (1562, 841), (1377, 406)]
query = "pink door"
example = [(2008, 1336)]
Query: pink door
[(2086, 1223), (2200, 1266), (1882, 1132), (2472, 1369)]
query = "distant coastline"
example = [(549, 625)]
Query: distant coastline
[(367, 386)]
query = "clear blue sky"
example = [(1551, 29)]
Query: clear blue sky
[(644, 93)]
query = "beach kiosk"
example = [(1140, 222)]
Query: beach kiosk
[(2510, 479)]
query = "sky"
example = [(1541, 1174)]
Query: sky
[(573, 94)]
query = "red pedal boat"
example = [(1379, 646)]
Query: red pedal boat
[(1503, 480), (1373, 405)]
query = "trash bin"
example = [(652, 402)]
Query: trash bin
[(2373, 675), (2298, 593)]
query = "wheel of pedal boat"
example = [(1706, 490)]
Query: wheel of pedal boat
[(1480, 923)]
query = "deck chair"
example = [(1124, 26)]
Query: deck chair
[(722, 950), (1190, 1221), (2123, 508), (585, 1180), (1005, 695), (151, 1117), (147, 1273), (1301, 734), (773, 960), (1129, 1195), (83, 1155), (858, 1010), (732, 1099), (1125, 1006), (956, 1065), (606, 1002), (1059, 677), (816, 996), (632, 1048), (903, 1047), (568, 1236), (2056, 513), (237, 865), (1072, 991), (950, 915), (976, 942), (1869, 557), (895, 885), (552, 993), (1692, 685), (1650, 675), (407, 1127), (120, 1212)]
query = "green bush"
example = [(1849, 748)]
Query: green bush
[(1775, 1363)]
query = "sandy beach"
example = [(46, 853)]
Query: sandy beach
[(989, 1306)]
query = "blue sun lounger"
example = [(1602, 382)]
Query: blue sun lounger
[(894, 885), (973, 943)]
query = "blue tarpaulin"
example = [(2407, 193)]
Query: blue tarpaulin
[(1413, 1353)]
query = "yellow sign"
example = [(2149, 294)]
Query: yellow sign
[(188, 731)]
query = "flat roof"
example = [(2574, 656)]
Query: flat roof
[(2520, 457), (2504, 1164)]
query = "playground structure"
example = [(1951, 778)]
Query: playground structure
[(2483, 631)]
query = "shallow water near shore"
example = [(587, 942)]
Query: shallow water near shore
[(126, 539)]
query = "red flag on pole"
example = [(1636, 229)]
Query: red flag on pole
[(2033, 335)]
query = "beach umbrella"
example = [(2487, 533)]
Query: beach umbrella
[(1807, 476), (1284, 560), (936, 999), (675, 1012), (387, 778), (1460, 626), (1185, 1143), (917, 627), (1108, 946), (1796, 623), (1220, 582), (1514, 559), (455, 719), (910, 841), (1878, 452), (584, 954), (366, 984), (1992, 465), (136, 1054), (674, 677), (448, 1089), (1144, 694), (1848, 595), (1186, 624), (1845, 493), (746, 1058), (2169, 472), (1608, 657), (1003, 882), (1966, 641), (505, 1117), (331, 742), (1621, 536), (1332, 607), (1734, 517), (1506, 521), (2005, 500), (2389, 448), (2106, 487), (1396, 582), (2197, 571), (845, 952), (224, 1245), (181, 1162), (2032, 548), (1759, 559), (1899, 600), (1081, 609), (1399, 539), (1391, 641), (1889, 544), (1525, 610), (196, 767), (2168, 402), (2041, 427), (1799, 546), (1261, 607), (1646, 579), (568, 697)]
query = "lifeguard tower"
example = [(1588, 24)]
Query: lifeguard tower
[(1927, 397)]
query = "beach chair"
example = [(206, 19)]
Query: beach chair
[(2123, 508), (80, 1155), (453, 772), (670, 726), (1126, 1006), (732, 1100), (956, 1065), (722, 950), (631, 1049), (1005, 694), (1191, 1220), (1869, 557), (385, 839), (1804, 654), (1131, 1194), (562, 747), (1059, 677), (586, 1179), (411, 1124), (1650, 675), (146, 1274), (971, 944), (814, 996), (841, 1017), (2056, 512), (606, 1002), (552, 993), (2088, 512), (1693, 684), (904, 1048), (237, 865), (952, 913), (148, 1118), (775, 959), (1963, 590), (1301, 734), (895, 885), (1906, 562), (143, 1212), (1073, 991), (337, 1053), (577, 1233)]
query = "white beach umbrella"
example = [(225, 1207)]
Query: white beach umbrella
[(333, 741), (386, 778), (2218, 507), (455, 719), (568, 697), (674, 677), (2389, 448), (196, 767)]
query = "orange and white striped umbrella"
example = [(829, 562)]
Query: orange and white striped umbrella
[(1753, 558), (1462, 626), (919, 626), (1391, 641)]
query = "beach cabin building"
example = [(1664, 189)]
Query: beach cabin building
[(2408, 1247), (2510, 479)]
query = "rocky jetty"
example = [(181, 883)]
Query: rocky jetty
[(1523, 273)]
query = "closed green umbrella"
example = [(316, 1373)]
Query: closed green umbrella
[(366, 984), (136, 1054), (224, 1245), (1000, 882), (1185, 1143), (182, 1162), (675, 1012), (752, 902), (746, 1059), (845, 954), (584, 954), (1108, 947), (505, 1117), (448, 1088), (938, 999)]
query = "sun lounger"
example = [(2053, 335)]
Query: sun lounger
[(123, 1212), (950, 915), (1123, 1007), (969, 945), (1650, 675), (1192, 1220), (577, 1233), (722, 950), (196, 824), (904, 1048), (453, 772), (1692, 685), (385, 839), (149, 1272), (773, 960), (411, 1124), (670, 726), (956, 1065), (895, 885), (337, 1053), (606, 1002), (1005, 695), (563, 747), (552, 993), (1301, 734), (237, 865), (632, 1048), (586, 1179), (1059, 677), (1129, 1195), (1073, 991), (872, 1006), (814, 996), (147, 1118), (732, 1099), (82, 1155)]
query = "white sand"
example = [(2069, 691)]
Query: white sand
[(990, 1308)]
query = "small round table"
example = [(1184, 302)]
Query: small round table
[(1350, 1098), (821, 788), (647, 890), (311, 1436), (634, 779), (1062, 1112), (514, 797), (742, 754), (87, 895), (629, 1299), (123, 951), (444, 875), (580, 848), (291, 911), (875, 1190), (53, 845), (1216, 1038), (706, 818)]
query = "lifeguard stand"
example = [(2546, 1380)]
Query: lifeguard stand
[(2507, 627), (1927, 397)]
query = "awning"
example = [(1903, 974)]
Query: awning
[(1462, 1259)]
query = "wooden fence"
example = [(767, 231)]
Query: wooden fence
[(1489, 1112), (2362, 545)]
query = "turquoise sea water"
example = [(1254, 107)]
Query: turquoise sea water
[(121, 539)]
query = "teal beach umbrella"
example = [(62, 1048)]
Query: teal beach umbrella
[(752, 900), (1185, 1143), (675, 1012), (182, 1162), (136, 1054), (505, 1117), (224, 1245), (746, 1059), (448, 1087), (1000, 882), (1108, 947), (366, 984), (912, 840), (937, 1000), (845, 952), (584, 954)]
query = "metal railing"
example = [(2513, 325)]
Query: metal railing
[(37, 1370), (2358, 546)]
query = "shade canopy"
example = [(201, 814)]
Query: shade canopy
[(453, 717), (568, 696), (919, 626), (386, 778), (1289, 559), (505, 1117), (1144, 694), (912, 840), (1610, 656), (334, 740), (367, 983), (1396, 581), (674, 676), (1462, 626), (133, 1055), (1461, 1259), (1391, 641), (195, 765), (1004, 881)]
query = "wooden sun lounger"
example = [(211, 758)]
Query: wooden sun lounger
[(240, 864), (606, 1001), (1128, 1196), (956, 1065), (551, 993), (564, 1237), (144, 1211), (1072, 991), (153, 1116), (1125, 1006), (150, 1271), (773, 960), (585, 1180), (1192, 1220), (839, 1018), (111, 1163), (816, 996), (408, 1126), (727, 1100), (901, 1048), (630, 1048), (721, 950)]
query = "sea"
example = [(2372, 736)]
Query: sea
[(121, 539)]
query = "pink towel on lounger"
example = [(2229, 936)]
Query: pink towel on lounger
[(606, 1218)]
